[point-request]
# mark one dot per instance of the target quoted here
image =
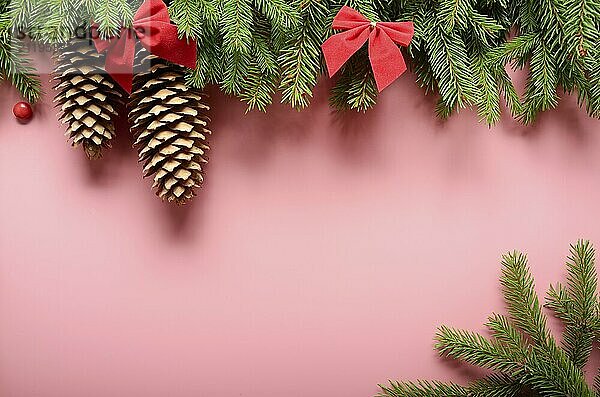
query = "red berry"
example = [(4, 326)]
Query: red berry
[(23, 111)]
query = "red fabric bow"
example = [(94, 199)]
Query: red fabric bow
[(152, 27), (386, 58)]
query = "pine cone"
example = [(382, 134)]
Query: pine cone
[(169, 121), (88, 97)]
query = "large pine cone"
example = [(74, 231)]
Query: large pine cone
[(169, 121), (88, 97)]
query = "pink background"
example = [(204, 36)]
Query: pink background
[(318, 260)]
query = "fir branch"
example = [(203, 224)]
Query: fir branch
[(110, 15), (356, 87), (64, 17), (484, 28), (488, 101), (259, 88), (451, 67), (582, 36), (475, 349), (209, 64), (551, 373), (263, 72), (235, 73), (237, 43), (186, 14), (338, 98), (507, 88), (540, 91), (523, 355), (420, 64), (26, 15), (17, 68), (505, 333), (300, 58), (459, 50), (522, 302), (235, 18), (516, 50), (454, 12), (422, 389), (365, 7), (279, 12), (263, 52), (362, 91), (496, 385), (593, 66), (577, 304)]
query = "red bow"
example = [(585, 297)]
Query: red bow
[(386, 58), (152, 27)]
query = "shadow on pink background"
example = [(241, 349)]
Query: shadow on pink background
[(318, 261)]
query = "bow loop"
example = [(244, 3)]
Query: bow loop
[(348, 18), (383, 37), (152, 10), (400, 32), (152, 27)]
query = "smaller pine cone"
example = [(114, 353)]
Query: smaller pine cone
[(170, 125), (89, 99)]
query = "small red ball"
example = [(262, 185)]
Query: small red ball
[(23, 111)]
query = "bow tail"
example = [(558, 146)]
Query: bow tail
[(119, 60), (340, 47), (386, 59)]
